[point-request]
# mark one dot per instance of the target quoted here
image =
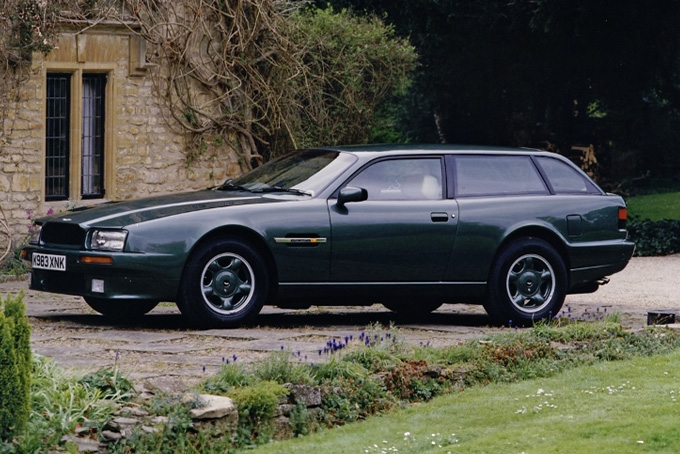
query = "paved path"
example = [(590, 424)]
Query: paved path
[(161, 344)]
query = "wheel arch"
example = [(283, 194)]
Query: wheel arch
[(542, 233), (243, 234)]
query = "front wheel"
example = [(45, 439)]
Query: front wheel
[(121, 309), (224, 284), (527, 283)]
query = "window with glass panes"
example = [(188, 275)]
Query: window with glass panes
[(60, 152), (57, 147)]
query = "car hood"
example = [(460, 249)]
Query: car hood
[(120, 214)]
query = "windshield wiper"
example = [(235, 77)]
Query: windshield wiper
[(229, 186), (280, 189)]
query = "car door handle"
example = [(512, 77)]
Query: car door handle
[(439, 217)]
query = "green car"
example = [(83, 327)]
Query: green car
[(410, 227)]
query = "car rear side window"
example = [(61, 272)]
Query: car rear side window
[(497, 175), (564, 179)]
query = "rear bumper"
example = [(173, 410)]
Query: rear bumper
[(595, 262)]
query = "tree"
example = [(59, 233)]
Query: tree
[(547, 73), (15, 368)]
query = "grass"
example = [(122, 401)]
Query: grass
[(611, 407), (567, 393), (655, 206)]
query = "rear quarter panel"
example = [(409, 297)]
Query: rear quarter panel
[(485, 223)]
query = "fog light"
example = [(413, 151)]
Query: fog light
[(97, 286)]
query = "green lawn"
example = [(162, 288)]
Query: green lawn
[(655, 206), (623, 407)]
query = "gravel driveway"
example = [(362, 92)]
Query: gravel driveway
[(161, 345)]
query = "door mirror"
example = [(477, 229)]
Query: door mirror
[(351, 194)]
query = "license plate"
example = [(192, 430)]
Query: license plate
[(49, 262)]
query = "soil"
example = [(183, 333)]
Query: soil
[(161, 345)]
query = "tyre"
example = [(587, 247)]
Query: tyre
[(413, 309), (527, 283), (121, 309), (224, 284)]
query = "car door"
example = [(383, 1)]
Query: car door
[(403, 232)]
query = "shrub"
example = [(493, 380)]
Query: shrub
[(655, 237), (14, 265), (256, 407), (15, 368), (230, 376), (279, 367), (348, 400), (110, 382)]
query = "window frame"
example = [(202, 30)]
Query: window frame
[(443, 176), (75, 185), (452, 168), (591, 188)]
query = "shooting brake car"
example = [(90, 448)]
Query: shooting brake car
[(411, 227)]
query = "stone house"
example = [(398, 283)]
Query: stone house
[(87, 128)]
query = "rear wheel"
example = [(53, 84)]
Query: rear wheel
[(224, 284), (121, 309), (528, 283)]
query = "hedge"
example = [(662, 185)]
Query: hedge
[(655, 237)]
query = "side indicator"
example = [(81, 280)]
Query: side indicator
[(94, 260), (296, 240)]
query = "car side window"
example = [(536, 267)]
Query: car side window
[(563, 178), (497, 175), (402, 179)]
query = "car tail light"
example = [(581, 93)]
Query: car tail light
[(623, 217)]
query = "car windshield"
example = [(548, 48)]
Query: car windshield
[(303, 172)]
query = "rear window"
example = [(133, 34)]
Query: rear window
[(497, 175), (564, 179)]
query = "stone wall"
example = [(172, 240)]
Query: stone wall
[(145, 155)]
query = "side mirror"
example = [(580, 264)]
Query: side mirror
[(351, 194)]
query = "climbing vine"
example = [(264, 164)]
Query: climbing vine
[(267, 75)]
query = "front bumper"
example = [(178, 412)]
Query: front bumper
[(130, 276)]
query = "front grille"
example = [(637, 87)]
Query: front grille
[(62, 234)]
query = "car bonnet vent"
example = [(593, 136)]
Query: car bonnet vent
[(56, 233)]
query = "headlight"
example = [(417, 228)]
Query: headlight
[(107, 240), (34, 236)]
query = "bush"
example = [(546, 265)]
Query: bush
[(256, 407), (110, 382), (655, 237), (15, 368)]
